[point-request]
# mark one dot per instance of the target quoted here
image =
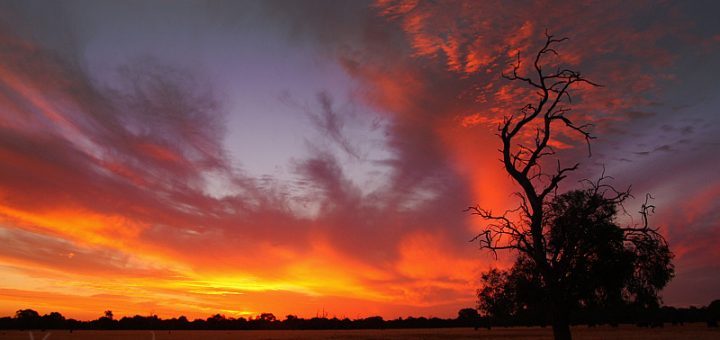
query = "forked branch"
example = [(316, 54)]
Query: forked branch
[(523, 155)]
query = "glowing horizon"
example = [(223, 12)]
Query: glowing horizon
[(250, 157)]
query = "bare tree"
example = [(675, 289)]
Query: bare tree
[(525, 138)]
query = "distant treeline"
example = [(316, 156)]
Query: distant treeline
[(627, 314)]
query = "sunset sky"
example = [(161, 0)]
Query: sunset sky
[(294, 157)]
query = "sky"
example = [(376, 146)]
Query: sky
[(316, 157)]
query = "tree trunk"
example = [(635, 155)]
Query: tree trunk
[(560, 316), (561, 330)]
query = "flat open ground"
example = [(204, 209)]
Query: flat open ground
[(687, 332)]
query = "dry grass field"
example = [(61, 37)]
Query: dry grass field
[(687, 332)]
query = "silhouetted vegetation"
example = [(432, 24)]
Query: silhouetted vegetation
[(572, 256), (625, 313), (605, 267)]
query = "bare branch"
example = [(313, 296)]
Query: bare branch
[(500, 226), (522, 160)]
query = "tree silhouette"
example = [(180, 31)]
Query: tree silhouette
[(604, 266), (523, 301), (27, 318), (570, 250), (469, 317), (269, 317), (713, 314)]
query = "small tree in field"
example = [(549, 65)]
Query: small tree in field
[(571, 251)]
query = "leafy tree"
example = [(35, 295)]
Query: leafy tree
[(511, 297), (571, 252), (53, 320), (605, 265), (106, 321), (713, 313), (27, 314), (468, 317), (27, 318), (496, 298), (269, 317)]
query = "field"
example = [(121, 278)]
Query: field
[(693, 331)]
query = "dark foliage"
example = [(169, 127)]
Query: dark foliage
[(625, 313), (599, 265)]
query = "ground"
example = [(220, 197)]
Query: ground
[(692, 331)]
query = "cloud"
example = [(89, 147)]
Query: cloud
[(119, 171), (331, 124), (130, 173)]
